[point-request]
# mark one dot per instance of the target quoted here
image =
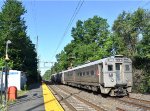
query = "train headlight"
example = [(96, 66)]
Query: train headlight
[(112, 80)]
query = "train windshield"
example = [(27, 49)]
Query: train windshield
[(110, 67)]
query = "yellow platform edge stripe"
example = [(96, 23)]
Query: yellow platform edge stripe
[(50, 102)]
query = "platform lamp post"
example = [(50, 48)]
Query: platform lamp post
[(6, 70)]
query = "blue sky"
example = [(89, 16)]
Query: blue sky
[(48, 20)]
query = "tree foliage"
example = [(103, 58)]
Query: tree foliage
[(133, 40), (131, 29), (91, 41), (47, 75), (22, 52)]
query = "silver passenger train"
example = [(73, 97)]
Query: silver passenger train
[(112, 75)]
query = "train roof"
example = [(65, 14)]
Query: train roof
[(53, 74), (86, 65), (94, 62)]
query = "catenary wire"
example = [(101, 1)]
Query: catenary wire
[(79, 5)]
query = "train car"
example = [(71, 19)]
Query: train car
[(58, 78), (53, 78), (112, 75)]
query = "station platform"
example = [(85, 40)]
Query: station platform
[(50, 102), (38, 98)]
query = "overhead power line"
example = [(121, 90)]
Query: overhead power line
[(77, 9)]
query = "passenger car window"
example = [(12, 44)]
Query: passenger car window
[(80, 73), (110, 67), (87, 73), (92, 73), (83, 73)]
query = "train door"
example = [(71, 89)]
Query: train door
[(74, 75), (119, 73), (100, 68)]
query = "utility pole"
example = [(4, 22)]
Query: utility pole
[(6, 81)]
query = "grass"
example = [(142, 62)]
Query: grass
[(19, 93), (22, 92)]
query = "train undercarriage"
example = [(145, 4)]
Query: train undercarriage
[(119, 90)]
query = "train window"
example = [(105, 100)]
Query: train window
[(92, 73), (127, 68), (80, 73), (110, 67), (87, 73), (83, 73)]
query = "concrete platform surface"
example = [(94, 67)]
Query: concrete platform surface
[(39, 98), (31, 101)]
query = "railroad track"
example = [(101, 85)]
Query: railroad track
[(74, 102), (99, 103), (142, 104), (131, 103), (145, 102), (63, 102), (98, 108)]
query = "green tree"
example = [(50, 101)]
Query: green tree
[(127, 29), (61, 62), (132, 38), (47, 74), (12, 27), (91, 41)]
